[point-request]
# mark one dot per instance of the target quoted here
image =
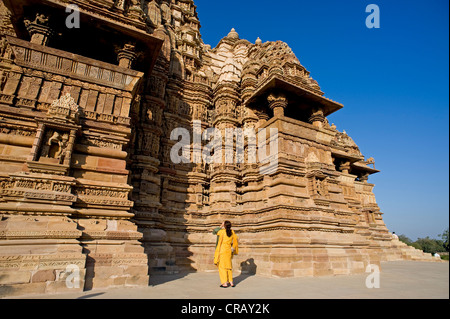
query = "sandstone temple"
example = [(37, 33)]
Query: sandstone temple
[(90, 91)]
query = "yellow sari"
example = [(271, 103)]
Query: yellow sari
[(225, 249)]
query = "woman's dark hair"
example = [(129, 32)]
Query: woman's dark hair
[(227, 225)]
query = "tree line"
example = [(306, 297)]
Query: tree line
[(427, 244)]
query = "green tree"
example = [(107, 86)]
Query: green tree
[(444, 237), (405, 239), (430, 245)]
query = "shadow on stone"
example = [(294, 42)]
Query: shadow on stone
[(248, 269), (91, 295), (163, 278)]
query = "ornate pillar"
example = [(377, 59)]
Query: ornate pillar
[(317, 117), (278, 103), (225, 175), (262, 118), (364, 177), (39, 29), (127, 55), (70, 144), (345, 167)]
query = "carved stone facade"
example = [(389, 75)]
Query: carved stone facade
[(86, 176)]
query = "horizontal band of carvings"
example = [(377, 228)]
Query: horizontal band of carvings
[(298, 223), (103, 195), (328, 223), (114, 235), (86, 187), (104, 141), (32, 234), (288, 228), (287, 181), (38, 195), (94, 202), (36, 188), (47, 168), (41, 261), (107, 118), (37, 183), (116, 259), (52, 60), (43, 241), (294, 210), (101, 192), (26, 258), (7, 98)]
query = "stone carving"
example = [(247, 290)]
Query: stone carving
[(39, 29), (370, 161), (55, 144), (3, 46), (127, 55), (277, 103), (102, 142), (345, 141), (119, 4), (135, 10), (64, 108)]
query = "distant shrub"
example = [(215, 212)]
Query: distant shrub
[(427, 244)]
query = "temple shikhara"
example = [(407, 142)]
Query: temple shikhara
[(89, 96)]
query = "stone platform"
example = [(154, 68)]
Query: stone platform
[(398, 280)]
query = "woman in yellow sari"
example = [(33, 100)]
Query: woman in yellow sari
[(227, 246)]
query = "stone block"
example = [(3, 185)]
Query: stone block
[(320, 258), (137, 280), (44, 275), (302, 265), (307, 272), (119, 281), (14, 277), (110, 163), (22, 289), (104, 272), (323, 272), (98, 283), (136, 270), (357, 265)]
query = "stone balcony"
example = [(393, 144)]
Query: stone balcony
[(42, 74)]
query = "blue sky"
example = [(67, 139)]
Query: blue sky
[(393, 82)]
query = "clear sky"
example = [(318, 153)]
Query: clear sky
[(393, 82)]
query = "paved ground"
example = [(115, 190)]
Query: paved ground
[(404, 279)]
